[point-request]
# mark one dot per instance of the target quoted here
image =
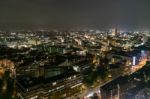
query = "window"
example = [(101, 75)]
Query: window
[(54, 83)]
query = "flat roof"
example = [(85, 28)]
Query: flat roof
[(29, 81)]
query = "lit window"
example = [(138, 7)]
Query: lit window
[(54, 83)]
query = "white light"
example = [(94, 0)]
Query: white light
[(134, 59), (90, 94)]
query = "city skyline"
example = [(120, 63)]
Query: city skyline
[(74, 49)]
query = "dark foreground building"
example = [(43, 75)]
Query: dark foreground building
[(113, 88), (43, 87)]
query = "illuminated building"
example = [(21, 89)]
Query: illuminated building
[(7, 65), (114, 32)]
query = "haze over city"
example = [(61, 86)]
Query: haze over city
[(94, 14)]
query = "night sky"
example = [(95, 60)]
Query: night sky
[(76, 13)]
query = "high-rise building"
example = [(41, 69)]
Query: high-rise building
[(114, 31)]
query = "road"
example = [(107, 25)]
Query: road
[(97, 88), (90, 91)]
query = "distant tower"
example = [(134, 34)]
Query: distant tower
[(107, 39), (114, 31)]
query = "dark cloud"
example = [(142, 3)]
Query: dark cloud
[(75, 13)]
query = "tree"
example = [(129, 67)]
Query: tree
[(8, 85), (90, 78)]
